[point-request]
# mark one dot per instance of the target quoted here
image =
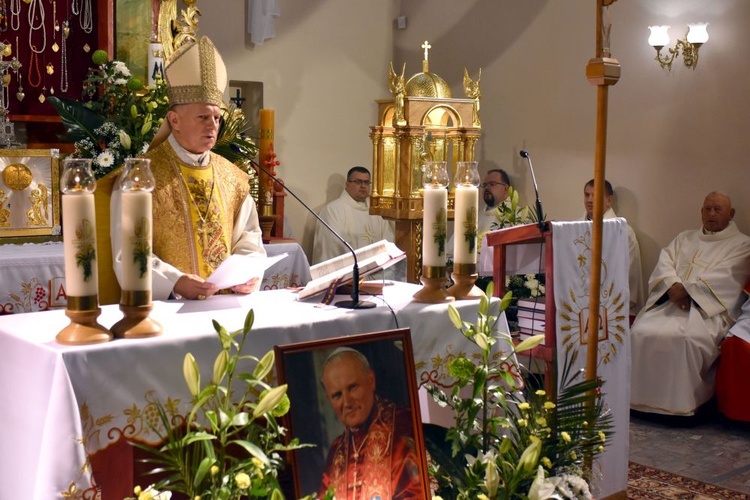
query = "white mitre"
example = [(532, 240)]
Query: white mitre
[(195, 74)]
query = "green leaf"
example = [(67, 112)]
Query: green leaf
[(439, 448), (241, 419), (203, 469), (79, 121), (253, 449), (198, 436), (506, 300), (480, 378)]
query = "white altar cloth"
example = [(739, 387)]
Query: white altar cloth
[(32, 275), (62, 404)]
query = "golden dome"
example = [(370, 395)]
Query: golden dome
[(428, 84)]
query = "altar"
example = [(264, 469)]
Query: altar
[(32, 276), (69, 409)]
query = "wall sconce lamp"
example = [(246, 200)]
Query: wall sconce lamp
[(696, 36)]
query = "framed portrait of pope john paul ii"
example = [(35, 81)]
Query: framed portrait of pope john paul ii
[(355, 400)]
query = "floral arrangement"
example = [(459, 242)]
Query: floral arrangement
[(119, 117), (525, 286), (229, 446), (511, 441)]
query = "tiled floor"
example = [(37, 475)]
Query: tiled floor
[(715, 450)]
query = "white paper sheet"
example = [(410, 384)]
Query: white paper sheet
[(239, 269)]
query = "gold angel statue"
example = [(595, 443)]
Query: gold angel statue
[(472, 91), (4, 212), (398, 89), (38, 214)]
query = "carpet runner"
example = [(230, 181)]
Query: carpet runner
[(647, 483)]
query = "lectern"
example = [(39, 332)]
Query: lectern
[(530, 234)]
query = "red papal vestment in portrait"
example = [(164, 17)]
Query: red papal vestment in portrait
[(376, 461)]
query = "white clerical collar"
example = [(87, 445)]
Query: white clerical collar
[(192, 159), (728, 232), (359, 205)]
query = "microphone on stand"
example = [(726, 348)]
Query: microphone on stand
[(355, 303), (539, 212)]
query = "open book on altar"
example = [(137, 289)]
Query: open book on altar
[(338, 270)]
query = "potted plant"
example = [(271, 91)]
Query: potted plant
[(229, 444), (510, 440)]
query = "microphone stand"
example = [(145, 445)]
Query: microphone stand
[(539, 212), (355, 303)]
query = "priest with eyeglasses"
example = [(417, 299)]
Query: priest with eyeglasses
[(349, 215)]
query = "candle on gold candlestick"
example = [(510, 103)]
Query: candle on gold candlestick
[(466, 194), (136, 184), (466, 202), (265, 150), (434, 233), (435, 210), (136, 224), (79, 244), (79, 247)]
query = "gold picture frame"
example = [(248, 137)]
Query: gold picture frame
[(315, 419), (29, 193)]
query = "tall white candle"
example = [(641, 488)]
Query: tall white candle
[(435, 217), (137, 226), (79, 244), (465, 225)]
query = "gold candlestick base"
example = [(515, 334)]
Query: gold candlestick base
[(136, 324), (83, 327), (464, 277), (433, 286), (266, 224)]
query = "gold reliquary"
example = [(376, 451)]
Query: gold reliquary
[(422, 121), (29, 193)]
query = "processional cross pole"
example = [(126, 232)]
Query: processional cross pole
[(602, 71)]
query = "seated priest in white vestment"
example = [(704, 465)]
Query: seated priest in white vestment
[(635, 272), (695, 295), (349, 216), (202, 207)]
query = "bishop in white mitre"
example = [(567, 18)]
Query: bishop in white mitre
[(695, 295)]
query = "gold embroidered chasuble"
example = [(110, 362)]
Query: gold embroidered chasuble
[(195, 209)]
